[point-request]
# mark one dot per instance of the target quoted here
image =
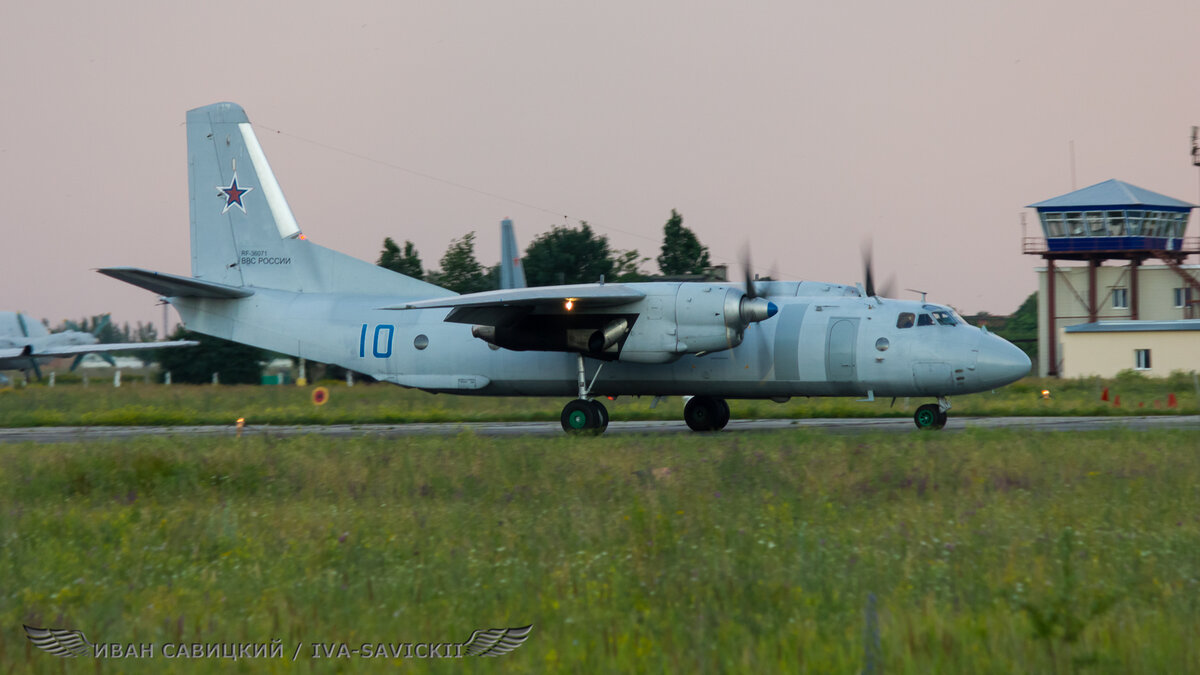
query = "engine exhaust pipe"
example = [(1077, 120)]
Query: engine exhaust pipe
[(608, 336)]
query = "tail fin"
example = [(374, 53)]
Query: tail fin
[(243, 231), (512, 274)]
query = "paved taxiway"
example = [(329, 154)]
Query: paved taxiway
[(848, 426)]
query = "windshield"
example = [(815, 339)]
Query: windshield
[(945, 318)]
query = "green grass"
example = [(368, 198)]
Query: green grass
[(136, 403), (986, 551)]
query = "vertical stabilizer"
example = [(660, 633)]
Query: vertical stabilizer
[(512, 274), (244, 232)]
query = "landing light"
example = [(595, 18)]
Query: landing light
[(570, 304)]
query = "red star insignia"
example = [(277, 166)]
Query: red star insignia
[(233, 194)]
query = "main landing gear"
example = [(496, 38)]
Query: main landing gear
[(585, 413), (706, 413), (932, 416), (702, 413)]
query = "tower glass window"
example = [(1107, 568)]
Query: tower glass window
[(1116, 223), (1133, 223)]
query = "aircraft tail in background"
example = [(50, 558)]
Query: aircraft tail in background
[(512, 274)]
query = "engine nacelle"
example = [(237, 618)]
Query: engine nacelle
[(696, 318), (671, 320)]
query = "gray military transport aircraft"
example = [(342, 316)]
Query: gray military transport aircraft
[(26, 344), (257, 280)]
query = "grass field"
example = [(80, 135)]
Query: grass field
[(136, 403), (984, 551)]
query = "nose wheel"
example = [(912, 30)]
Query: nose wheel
[(932, 416), (706, 413)]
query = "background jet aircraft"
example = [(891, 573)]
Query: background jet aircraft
[(25, 344), (257, 280)]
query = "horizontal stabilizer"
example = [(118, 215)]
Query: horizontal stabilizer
[(175, 286), (55, 351)]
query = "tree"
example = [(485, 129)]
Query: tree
[(1022, 328), (407, 263), (682, 252), (568, 256), (461, 272), (145, 332), (627, 266), (235, 363)]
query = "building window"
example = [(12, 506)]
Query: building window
[(1120, 298), (1141, 359), (1182, 297)]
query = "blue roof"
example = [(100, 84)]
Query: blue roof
[(1111, 193), (1134, 326)]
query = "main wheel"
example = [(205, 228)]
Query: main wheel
[(702, 413), (601, 414), (579, 415), (722, 414), (930, 417)]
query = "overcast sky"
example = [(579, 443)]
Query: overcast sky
[(800, 129)]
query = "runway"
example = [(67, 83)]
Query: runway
[(840, 426)]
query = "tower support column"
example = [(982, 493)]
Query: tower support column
[(1051, 327)]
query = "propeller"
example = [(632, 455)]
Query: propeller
[(869, 275), (37, 372), (756, 300)]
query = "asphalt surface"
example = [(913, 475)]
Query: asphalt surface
[(846, 426)]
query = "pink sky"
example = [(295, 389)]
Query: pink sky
[(799, 128)]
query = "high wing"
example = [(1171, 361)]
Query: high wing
[(496, 308), (56, 351)]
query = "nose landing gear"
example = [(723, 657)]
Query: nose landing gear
[(932, 416)]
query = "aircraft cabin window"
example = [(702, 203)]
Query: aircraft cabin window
[(905, 320), (925, 320)]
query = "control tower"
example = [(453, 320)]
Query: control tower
[(1112, 220)]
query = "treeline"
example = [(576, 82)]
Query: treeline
[(564, 255)]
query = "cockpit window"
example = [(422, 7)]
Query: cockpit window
[(945, 318), (905, 320), (925, 320)]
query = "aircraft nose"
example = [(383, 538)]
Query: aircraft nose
[(1000, 362)]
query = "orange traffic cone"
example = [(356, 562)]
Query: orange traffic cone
[(1104, 394), (1172, 402)]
